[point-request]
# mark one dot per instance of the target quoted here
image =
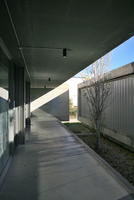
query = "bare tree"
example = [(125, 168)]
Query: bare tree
[(97, 91)]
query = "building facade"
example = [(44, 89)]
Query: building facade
[(119, 115), (14, 107)]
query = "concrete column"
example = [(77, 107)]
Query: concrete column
[(28, 121), (19, 104), (11, 112)]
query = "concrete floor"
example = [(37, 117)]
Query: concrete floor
[(53, 165)]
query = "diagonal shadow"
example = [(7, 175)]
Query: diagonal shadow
[(128, 197)]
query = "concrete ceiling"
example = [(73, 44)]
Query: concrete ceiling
[(40, 29)]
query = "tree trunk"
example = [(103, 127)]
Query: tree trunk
[(98, 142)]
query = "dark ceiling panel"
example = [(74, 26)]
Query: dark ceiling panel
[(89, 29), (7, 35)]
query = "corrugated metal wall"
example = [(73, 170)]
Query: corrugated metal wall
[(119, 116)]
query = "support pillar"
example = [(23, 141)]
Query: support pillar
[(19, 104), (11, 112), (28, 120)]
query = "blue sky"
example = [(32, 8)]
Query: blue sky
[(121, 55)]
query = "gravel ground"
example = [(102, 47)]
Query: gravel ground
[(118, 157)]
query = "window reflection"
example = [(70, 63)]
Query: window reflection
[(3, 115)]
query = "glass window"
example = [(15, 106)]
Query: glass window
[(3, 115)]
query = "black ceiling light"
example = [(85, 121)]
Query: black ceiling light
[(49, 79), (64, 52)]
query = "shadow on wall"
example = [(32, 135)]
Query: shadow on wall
[(55, 102)]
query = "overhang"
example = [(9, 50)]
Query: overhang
[(36, 32)]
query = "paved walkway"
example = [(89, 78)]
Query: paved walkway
[(53, 165)]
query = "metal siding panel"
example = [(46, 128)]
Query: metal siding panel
[(119, 116)]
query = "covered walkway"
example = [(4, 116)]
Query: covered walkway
[(54, 165)]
